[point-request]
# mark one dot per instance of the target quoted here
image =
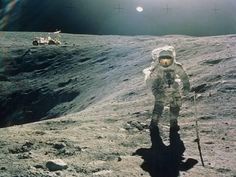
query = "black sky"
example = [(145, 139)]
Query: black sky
[(160, 17)]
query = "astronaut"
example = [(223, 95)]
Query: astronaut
[(164, 77)]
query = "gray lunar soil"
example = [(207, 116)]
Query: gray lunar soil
[(94, 87)]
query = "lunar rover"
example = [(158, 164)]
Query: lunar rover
[(45, 41)]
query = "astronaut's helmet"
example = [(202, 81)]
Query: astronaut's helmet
[(164, 55), (166, 58)]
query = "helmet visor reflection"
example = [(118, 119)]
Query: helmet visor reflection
[(165, 62)]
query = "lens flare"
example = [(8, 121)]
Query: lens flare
[(139, 9), (7, 8)]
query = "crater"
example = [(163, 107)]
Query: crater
[(30, 105)]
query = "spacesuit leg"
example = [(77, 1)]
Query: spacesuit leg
[(174, 113), (157, 112)]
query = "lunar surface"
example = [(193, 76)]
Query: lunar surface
[(82, 108)]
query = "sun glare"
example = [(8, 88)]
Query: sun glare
[(139, 9)]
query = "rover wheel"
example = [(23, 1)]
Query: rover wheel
[(35, 43), (51, 42)]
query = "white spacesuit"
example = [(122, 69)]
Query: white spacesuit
[(163, 77)]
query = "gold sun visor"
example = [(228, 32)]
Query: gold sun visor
[(166, 58), (166, 62)]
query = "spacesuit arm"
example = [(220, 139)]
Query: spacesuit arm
[(184, 78), (148, 72), (153, 65)]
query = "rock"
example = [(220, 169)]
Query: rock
[(136, 113), (39, 166), (99, 137), (200, 88), (21, 149), (28, 144), (119, 159), (26, 155), (209, 142), (102, 173), (66, 152), (136, 124), (127, 126), (55, 165), (59, 145), (59, 173), (78, 148), (3, 168)]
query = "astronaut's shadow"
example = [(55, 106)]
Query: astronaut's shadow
[(165, 161)]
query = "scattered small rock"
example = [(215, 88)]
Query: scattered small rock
[(127, 127), (3, 168), (59, 145), (102, 173), (59, 173), (206, 131), (210, 94), (99, 137), (223, 170), (39, 166), (206, 117), (137, 114), (55, 165), (49, 143), (28, 144), (63, 84), (209, 142), (131, 93), (40, 133), (200, 88), (21, 149), (78, 148), (65, 152), (135, 124), (26, 155), (81, 169)]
